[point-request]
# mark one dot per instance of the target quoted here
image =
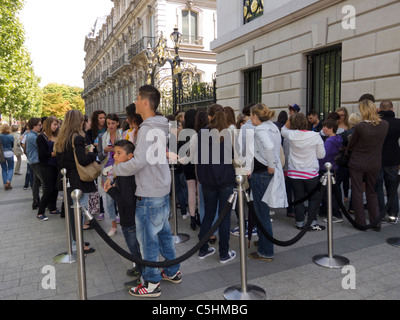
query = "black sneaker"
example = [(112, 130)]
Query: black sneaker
[(209, 252), (147, 290), (133, 273), (132, 284)]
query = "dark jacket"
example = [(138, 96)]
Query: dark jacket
[(391, 149), (366, 145), (45, 148), (214, 175), (66, 160), (123, 193)]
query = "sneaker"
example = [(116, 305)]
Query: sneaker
[(147, 290), (235, 231), (209, 252), (334, 220), (231, 255), (316, 227), (132, 283), (112, 232), (256, 256), (393, 220), (100, 217), (133, 273), (185, 216), (177, 278), (42, 217)]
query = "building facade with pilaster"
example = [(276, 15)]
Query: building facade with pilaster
[(115, 62), (319, 54)]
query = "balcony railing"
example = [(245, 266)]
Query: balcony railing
[(141, 45), (192, 40)]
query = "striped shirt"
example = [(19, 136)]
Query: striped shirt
[(296, 174)]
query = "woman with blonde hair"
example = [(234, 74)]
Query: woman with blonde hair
[(7, 167), (267, 182), (366, 160), (71, 134)]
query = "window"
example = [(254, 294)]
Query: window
[(252, 86), (189, 27), (324, 80), (252, 9)]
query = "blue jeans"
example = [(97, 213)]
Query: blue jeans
[(388, 175), (7, 169), (154, 235), (258, 184), (132, 243), (216, 198)]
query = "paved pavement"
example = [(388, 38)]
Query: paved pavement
[(28, 246)]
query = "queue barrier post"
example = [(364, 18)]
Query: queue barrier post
[(243, 291), (76, 195), (178, 237), (330, 261), (395, 242), (70, 255)]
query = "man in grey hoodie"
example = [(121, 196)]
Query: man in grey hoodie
[(152, 175)]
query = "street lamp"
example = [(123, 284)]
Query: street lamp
[(159, 56), (176, 38)]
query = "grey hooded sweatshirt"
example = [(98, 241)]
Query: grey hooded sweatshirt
[(149, 164)]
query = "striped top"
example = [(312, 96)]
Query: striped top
[(296, 174)]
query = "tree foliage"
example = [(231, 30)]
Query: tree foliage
[(20, 94), (59, 98)]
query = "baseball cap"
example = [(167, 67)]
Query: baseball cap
[(295, 107)]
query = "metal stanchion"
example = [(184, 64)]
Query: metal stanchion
[(178, 237), (329, 260), (69, 256), (243, 291), (395, 242), (76, 195)]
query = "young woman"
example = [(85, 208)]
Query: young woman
[(70, 134), (47, 158), (344, 118), (267, 181), (106, 156), (305, 148), (217, 181), (17, 148), (7, 167), (134, 119), (365, 162)]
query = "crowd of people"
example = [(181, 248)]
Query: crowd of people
[(283, 162)]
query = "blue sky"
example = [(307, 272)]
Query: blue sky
[(55, 33)]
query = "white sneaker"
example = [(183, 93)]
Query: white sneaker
[(112, 232), (185, 216)]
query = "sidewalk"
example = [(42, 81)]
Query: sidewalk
[(27, 245)]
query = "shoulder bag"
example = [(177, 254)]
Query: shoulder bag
[(86, 173)]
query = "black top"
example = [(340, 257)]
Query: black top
[(123, 193), (45, 148), (66, 160), (391, 149)]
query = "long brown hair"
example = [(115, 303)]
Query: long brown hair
[(47, 127), (72, 125)]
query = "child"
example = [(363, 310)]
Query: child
[(123, 193), (332, 145)]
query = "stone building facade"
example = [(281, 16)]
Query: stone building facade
[(115, 61), (320, 54)]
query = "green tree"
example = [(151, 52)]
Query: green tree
[(59, 98), (20, 95)]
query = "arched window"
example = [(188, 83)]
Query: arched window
[(190, 27)]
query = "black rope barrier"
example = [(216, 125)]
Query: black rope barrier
[(336, 194), (166, 263), (310, 219)]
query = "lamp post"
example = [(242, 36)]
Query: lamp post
[(159, 57)]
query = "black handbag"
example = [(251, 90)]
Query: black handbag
[(343, 157)]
